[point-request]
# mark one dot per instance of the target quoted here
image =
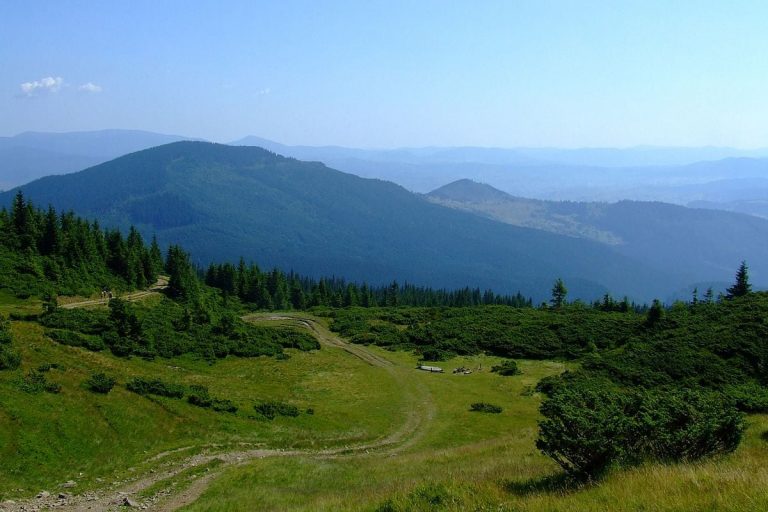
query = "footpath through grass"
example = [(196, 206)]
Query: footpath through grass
[(47, 439), (473, 461)]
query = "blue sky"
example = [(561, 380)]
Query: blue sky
[(392, 73)]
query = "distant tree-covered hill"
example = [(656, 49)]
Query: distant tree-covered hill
[(32, 155), (221, 202), (704, 244)]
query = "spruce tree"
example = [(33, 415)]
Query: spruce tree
[(741, 287), (559, 292)]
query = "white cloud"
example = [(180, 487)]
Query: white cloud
[(47, 84), (262, 92), (90, 87)]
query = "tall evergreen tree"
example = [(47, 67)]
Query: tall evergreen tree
[(741, 287), (559, 292)]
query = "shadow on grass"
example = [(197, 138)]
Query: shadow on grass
[(764, 436), (559, 483)]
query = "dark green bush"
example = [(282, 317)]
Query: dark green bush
[(9, 358), (687, 425), (198, 396), (585, 430), (100, 383), (588, 427), (272, 409), (507, 368), (35, 382), (435, 354), (223, 405), (5, 336), (484, 407), (157, 387), (750, 397), (74, 339)]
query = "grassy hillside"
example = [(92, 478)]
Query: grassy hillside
[(371, 431), (93, 439), (221, 202)]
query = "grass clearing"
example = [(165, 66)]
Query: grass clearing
[(96, 439), (469, 461)]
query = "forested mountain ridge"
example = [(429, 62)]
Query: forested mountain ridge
[(32, 155), (222, 202), (706, 244)]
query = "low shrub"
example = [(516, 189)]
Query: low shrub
[(100, 383), (74, 339), (507, 368), (484, 407), (35, 382), (198, 396), (272, 409), (157, 387), (588, 428), (9, 358), (223, 405), (749, 397)]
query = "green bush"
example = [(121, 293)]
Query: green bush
[(35, 382), (484, 407), (156, 387), (223, 405), (588, 427), (687, 425), (74, 339), (750, 397), (585, 430), (435, 354), (100, 383), (507, 368), (9, 358), (198, 396), (272, 409)]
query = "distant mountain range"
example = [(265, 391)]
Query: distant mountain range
[(717, 178), (221, 202), (31, 155), (697, 177), (704, 243)]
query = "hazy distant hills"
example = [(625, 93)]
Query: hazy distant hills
[(705, 243), (686, 176), (32, 155), (221, 202)]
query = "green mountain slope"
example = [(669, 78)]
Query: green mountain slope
[(221, 202), (32, 155), (705, 244)]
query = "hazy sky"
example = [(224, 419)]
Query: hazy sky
[(391, 73)]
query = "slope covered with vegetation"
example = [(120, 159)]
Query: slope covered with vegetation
[(665, 236), (221, 203), (185, 398)]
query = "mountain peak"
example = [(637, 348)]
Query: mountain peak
[(466, 190)]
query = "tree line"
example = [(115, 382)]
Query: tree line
[(276, 289), (52, 245)]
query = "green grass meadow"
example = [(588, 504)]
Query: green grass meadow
[(426, 449)]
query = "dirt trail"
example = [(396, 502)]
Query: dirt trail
[(420, 411), (161, 284)]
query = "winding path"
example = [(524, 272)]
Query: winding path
[(160, 285), (420, 411)]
